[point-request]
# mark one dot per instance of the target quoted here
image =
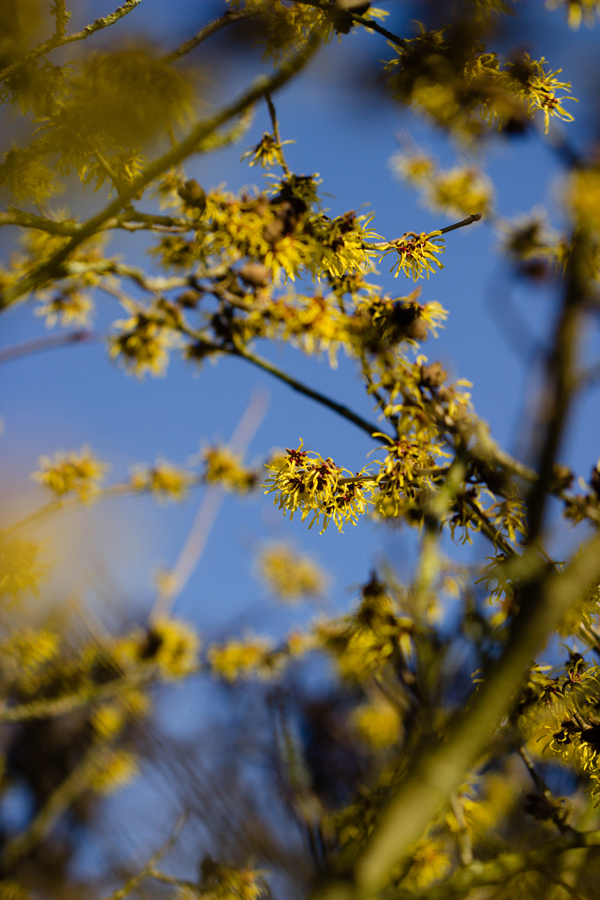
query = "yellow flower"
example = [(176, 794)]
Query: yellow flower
[(173, 645), (115, 769), (163, 479), (223, 467), (318, 486), (378, 724), (289, 575), (242, 659), (143, 345), (71, 306), (416, 254), (71, 472)]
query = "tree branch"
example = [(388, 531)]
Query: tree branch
[(228, 18), (441, 769), (339, 408), (60, 41), (46, 343), (54, 267), (328, 9)]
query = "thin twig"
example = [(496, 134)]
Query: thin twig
[(228, 18), (27, 348), (468, 221), (346, 413), (488, 527), (208, 510), (57, 41), (275, 125), (148, 871)]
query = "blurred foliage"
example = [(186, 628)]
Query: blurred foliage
[(448, 753)]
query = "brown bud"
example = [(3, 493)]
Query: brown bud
[(416, 331), (188, 299), (193, 194), (562, 477), (433, 375), (274, 231), (255, 274), (544, 808)]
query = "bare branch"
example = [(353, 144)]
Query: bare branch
[(228, 18), (58, 41), (53, 342)]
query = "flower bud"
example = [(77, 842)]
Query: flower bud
[(193, 194)]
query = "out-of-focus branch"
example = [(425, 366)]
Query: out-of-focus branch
[(59, 40), (208, 510), (131, 220), (562, 379), (59, 11), (27, 348), (440, 770), (54, 267), (148, 871)]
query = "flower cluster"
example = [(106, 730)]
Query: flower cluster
[(304, 481), (71, 473), (460, 85), (289, 575), (143, 344), (71, 307), (243, 659), (462, 190), (416, 254), (167, 481), (223, 467)]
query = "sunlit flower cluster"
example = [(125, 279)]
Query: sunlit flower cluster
[(167, 481), (223, 467), (304, 481), (289, 575), (76, 473), (70, 307), (143, 345), (416, 254), (253, 657)]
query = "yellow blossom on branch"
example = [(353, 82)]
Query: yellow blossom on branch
[(163, 479), (416, 254), (77, 473), (70, 306), (143, 344), (224, 468), (315, 485), (289, 575), (243, 659)]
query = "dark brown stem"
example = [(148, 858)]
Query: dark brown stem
[(228, 18), (275, 124)]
